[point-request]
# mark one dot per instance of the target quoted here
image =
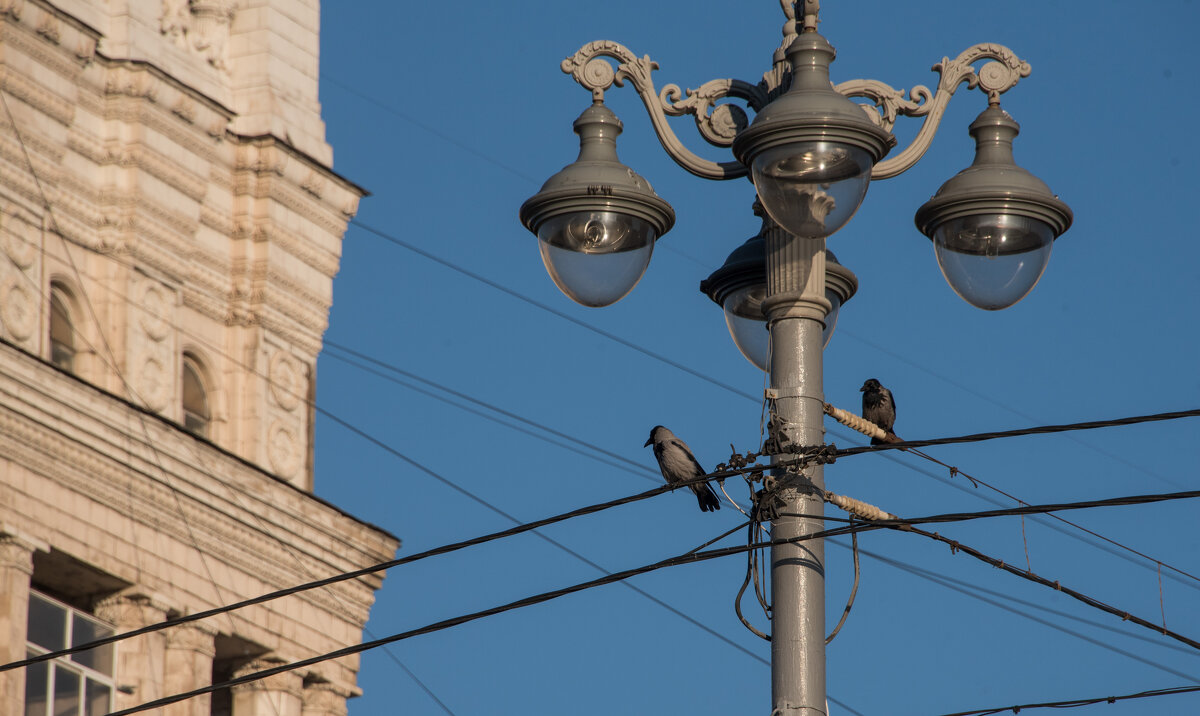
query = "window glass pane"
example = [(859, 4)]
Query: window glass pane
[(195, 402), (36, 683), (47, 624), (66, 692), (84, 630), (99, 699), (62, 338)]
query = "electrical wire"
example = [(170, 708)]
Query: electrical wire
[(976, 592), (686, 558), (1038, 430), (1074, 703), (344, 576), (859, 526)]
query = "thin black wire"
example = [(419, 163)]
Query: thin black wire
[(396, 453), (860, 526), (976, 592), (574, 443), (956, 546), (344, 576), (686, 558), (550, 309), (1038, 430), (1074, 703)]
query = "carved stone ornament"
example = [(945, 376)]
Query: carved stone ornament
[(200, 26), (283, 449), (20, 238), (285, 380), (154, 384), (155, 311), (18, 309)]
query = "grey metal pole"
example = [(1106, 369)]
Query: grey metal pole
[(796, 307)]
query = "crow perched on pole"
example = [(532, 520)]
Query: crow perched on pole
[(879, 407), (678, 463)]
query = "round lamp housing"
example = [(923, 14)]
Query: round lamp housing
[(597, 220), (811, 150), (993, 224), (739, 287)]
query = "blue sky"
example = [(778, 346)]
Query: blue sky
[(453, 115)]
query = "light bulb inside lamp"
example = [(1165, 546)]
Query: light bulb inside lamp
[(596, 257)]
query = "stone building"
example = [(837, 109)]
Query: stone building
[(170, 226)]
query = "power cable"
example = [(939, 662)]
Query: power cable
[(976, 592), (1038, 430), (1074, 703), (690, 557), (860, 526), (444, 549), (575, 445)]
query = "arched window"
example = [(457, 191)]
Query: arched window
[(62, 332), (196, 412)]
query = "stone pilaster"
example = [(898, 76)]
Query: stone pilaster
[(190, 651), (140, 661), (16, 569), (278, 695), (325, 699)]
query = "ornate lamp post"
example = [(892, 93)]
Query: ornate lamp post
[(811, 152)]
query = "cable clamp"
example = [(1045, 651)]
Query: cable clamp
[(777, 393)]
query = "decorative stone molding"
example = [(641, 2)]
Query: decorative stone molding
[(283, 448), (18, 306), (20, 237), (17, 548), (325, 699), (286, 379), (289, 682), (193, 636), (200, 26)]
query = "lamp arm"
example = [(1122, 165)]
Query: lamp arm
[(994, 78), (718, 123)]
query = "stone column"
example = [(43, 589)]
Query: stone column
[(140, 661), (190, 651), (325, 699), (278, 695), (16, 568)]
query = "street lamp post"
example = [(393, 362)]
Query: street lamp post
[(811, 152)]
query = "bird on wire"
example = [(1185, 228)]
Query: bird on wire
[(879, 407), (678, 463)]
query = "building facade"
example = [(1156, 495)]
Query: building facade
[(170, 226)]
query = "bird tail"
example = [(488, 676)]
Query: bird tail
[(709, 502)]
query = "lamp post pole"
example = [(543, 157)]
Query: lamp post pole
[(796, 308)]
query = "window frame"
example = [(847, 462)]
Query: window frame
[(50, 670), (61, 295), (193, 422)]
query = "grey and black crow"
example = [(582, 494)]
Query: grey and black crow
[(879, 407), (678, 464)]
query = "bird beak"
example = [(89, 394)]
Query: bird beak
[(648, 442)]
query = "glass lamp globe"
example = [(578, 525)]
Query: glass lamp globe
[(993, 260), (596, 220), (993, 224), (812, 189), (739, 287), (810, 151), (596, 257)]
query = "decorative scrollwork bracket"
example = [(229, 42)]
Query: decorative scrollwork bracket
[(994, 78), (718, 123)]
